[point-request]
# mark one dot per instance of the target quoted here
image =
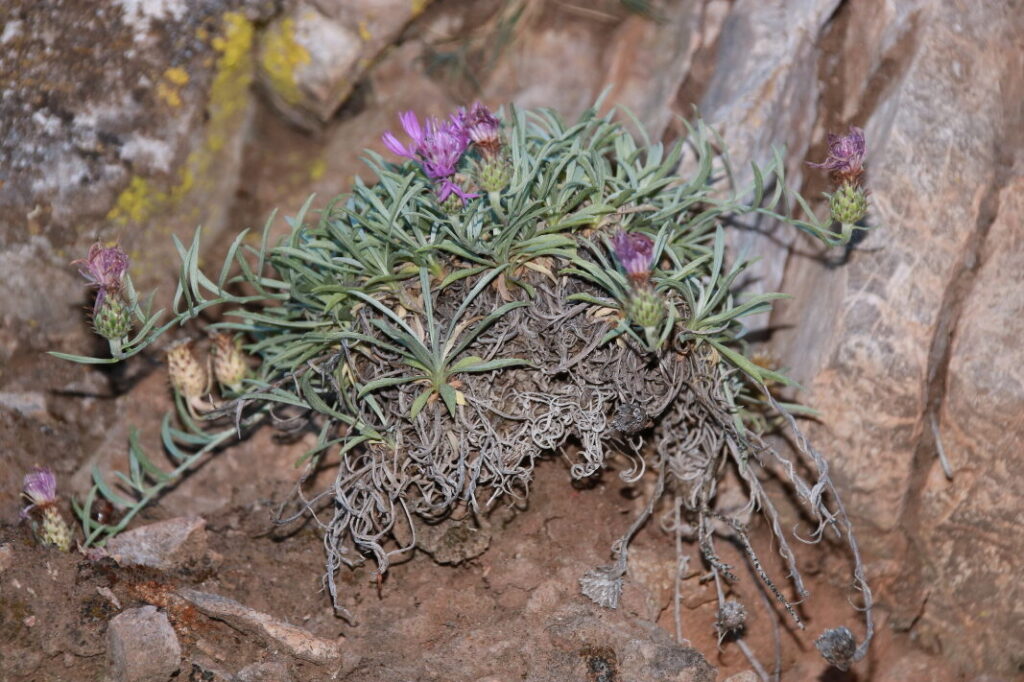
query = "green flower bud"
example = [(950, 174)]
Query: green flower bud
[(493, 173), (646, 309), (113, 320), (849, 204), (453, 204)]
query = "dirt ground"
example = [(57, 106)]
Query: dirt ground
[(512, 613)]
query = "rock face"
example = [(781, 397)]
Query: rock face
[(123, 122), (913, 341)]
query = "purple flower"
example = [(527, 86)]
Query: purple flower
[(40, 487), (482, 127), (635, 251), (105, 268), (845, 155), (437, 146)]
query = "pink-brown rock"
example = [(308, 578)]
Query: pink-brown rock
[(164, 545), (293, 639), (143, 646)]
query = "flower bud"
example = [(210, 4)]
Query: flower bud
[(188, 376), (40, 487), (55, 531), (493, 173), (646, 309), (229, 365), (849, 204), (635, 251), (112, 319)]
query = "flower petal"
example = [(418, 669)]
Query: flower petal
[(396, 147), (411, 125)]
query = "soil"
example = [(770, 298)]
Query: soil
[(494, 617)]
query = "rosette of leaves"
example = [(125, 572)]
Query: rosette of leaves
[(440, 354)]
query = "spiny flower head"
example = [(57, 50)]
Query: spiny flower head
[(845, 155), (437, 146), (482, 127), (40, 487), (104, 267), (229, 365), (635, 251), (187, 375)]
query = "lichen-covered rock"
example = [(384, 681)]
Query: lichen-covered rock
[(120, 122), (312, 57)]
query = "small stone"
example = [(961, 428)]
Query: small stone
[(6, 557), (264, 672), (143, 646), (452, 542), (165, 545), (297, 641)]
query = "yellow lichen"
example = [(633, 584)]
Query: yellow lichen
[(230, 89), (134, 203), (176, 75), (364, 31), (168, 90), (418, 6), (317, 170), (280, 56), (228, 101)]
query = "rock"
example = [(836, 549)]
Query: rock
[(745, 676), (763, 93), (974, 572), (312, 57), (164, 545), (452, 542), (626, 649), (922, 330), (650, 59), (6, 557), (143, 646), (201, 667), (264, 672), (307, 64), (297, 641), (125, 122)]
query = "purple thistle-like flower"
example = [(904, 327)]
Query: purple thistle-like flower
[(845, 155), (40, 487), (105, 268), (437, 147), (482, 127), (635, 251)]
